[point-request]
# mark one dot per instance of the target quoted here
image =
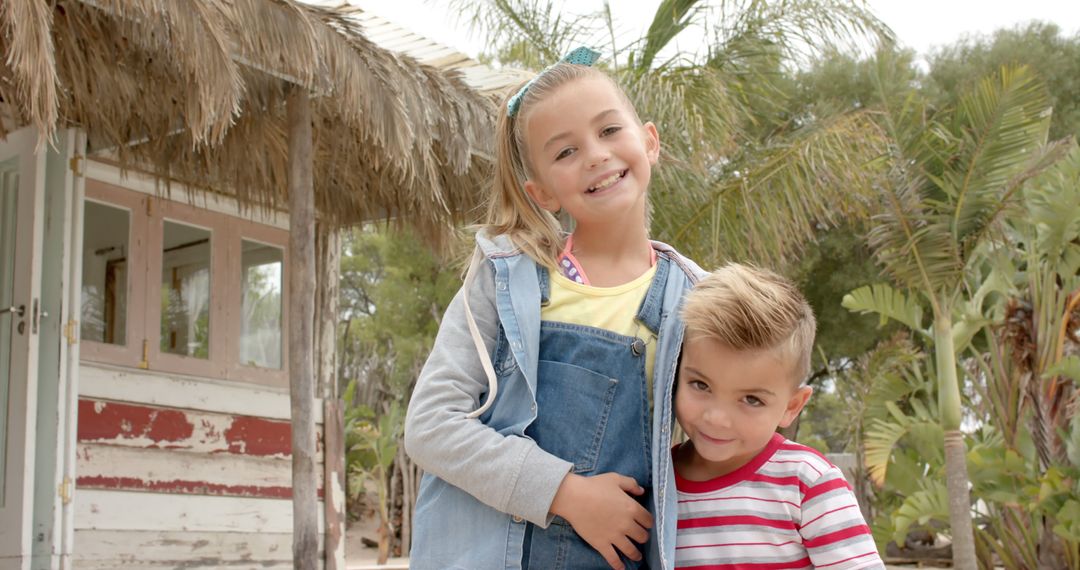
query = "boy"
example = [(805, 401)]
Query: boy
[(748, 497)]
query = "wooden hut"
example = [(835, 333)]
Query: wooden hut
[(171, 175)]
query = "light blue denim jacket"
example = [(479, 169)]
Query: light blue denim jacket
[(485, 474)]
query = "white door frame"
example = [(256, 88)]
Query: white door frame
[(16, 512), (57, 407)]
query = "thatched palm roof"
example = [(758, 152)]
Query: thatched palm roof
[(194, 90)]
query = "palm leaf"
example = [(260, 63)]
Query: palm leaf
[(1052, 205), (912, 242), (1003, 122), (671, 18), (800, 29), (931, 503), (1068, 366), (880, 440), (533, 33), (888, 303), (768, 201), (1012, 537)]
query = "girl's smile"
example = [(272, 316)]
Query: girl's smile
[(607, 182)]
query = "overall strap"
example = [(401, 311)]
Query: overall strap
[(544, 278), (650, 313)]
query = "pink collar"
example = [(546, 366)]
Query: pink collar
[(570, 268)]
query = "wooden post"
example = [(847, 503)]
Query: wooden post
[(301, 337), (328, 259)]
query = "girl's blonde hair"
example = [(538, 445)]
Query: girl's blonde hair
[(751, 309), (512, 212)]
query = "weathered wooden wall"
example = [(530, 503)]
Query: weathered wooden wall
[(180, 472)]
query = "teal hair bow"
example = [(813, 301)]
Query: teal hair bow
[(579, 56)]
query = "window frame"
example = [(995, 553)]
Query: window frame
[(134, 204), (250, 231), (143, 330)]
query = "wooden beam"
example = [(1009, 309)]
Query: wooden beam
[(334, 472), (328, 245), (301, 334)]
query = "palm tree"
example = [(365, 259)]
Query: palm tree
[(953, 175), (1030, 375), (740, 176)]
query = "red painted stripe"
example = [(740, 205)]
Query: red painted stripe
[(257, 436), (181, 487), (129, 422), (163, 428)]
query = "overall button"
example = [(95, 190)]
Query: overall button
[(638, 347), (518, 519)]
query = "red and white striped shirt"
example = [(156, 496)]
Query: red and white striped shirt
[(788, 508)]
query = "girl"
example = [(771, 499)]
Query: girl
[(569, 342)]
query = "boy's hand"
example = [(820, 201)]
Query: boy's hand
[(601, 511)]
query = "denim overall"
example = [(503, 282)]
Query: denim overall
[(593, 411)]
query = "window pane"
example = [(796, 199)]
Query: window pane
[(105, 274), (260, 325), (185, 290)]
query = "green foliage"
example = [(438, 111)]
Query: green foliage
[(956, 172), (839, 262), (371, 445), (888, 303), (818, 427), (1042, 46), (371, 442), (1068, 367), (930, 504), (393, 293), (738, 179), (843, 82)]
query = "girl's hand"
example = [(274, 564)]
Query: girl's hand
[(601, 510)]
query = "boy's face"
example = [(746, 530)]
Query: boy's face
[(730, 403)]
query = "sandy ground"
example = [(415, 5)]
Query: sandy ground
[(360, 557)]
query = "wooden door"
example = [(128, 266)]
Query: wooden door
[(22, 174)]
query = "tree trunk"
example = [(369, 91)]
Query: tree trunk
[(392, 504), (1051, 549), (956, 474), (301, 338), (407, 499)]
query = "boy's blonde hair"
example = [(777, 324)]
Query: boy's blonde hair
[(512, 212), (749, 308)]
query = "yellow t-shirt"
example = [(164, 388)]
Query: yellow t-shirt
[(610, 308)]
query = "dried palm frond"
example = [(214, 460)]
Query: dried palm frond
[(28, 49), (194, 92)]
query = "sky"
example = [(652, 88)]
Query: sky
[(918, 24)]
